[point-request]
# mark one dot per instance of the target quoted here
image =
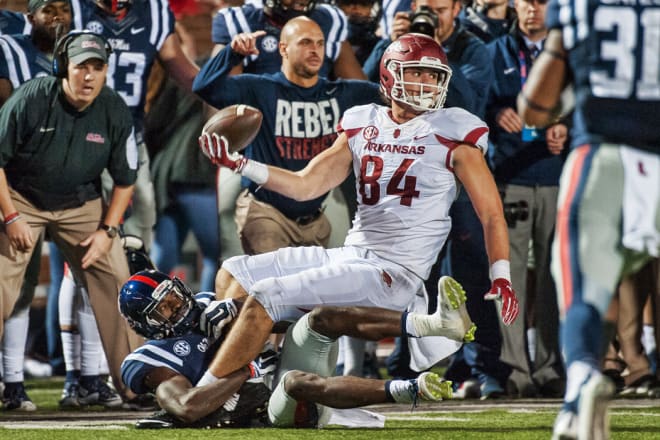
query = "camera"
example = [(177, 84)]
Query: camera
[(515, 211), (423, 21)]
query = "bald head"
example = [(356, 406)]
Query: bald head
[(297, 26), (302, 46)]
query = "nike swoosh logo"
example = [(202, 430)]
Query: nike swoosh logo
[(45, 130), (331, 91), (416, 138), (509, 70), (136, 30)]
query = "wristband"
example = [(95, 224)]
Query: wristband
[(253, 170), (207, 379), (500, 269), (11, 218)]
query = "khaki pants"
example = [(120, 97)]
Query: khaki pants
[(262, 228), (67, 228)]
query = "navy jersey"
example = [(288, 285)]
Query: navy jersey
[(614, 54), (298, 123), (14, 23), (230, 22), (188, 355), (20, 60), (135, 40)]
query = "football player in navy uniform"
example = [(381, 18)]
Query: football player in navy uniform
[(140, 31), (14, 23), (338, 60), (301, 110), (186, 330), (608, 220)]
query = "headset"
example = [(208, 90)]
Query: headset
[(60, 58)]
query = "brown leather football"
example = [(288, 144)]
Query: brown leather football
[(239, 123)]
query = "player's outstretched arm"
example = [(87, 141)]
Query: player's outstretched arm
[(177, 396), (323, 173), (470, 167)]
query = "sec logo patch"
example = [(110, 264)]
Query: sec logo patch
[(181, 348)]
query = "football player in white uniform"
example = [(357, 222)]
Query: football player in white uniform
[(407, 158)]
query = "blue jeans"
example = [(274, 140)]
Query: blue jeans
[(193, 208)]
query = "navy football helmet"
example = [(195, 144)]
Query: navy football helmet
[(114, 7), (157, 306), (280, 13), (418, 51)]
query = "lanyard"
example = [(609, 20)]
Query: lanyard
[(523, 67)]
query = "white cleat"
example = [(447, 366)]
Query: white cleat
[(593, 420), (433, 388), (566, 426), (453, 312)]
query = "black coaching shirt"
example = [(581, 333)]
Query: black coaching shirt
[(53, 154)]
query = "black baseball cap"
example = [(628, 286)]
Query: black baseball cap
[(35, 5), (87, 46)]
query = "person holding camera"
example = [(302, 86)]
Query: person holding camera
[(488, 19), (527, 162)]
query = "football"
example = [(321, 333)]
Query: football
[(239, 123)]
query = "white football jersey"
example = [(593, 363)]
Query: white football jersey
[(405, 180)]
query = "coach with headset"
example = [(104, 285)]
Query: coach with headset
[(57, 134)]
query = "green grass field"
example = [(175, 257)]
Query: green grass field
[(512, 419)]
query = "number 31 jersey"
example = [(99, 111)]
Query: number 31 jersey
[(405, 180)]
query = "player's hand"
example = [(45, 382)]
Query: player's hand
[(556, 136), (215, 148), (265, 363), (246, 43), (20, 235), (502, 291), (216, 316)]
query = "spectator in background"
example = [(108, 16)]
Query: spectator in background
[(23, 57), (527, 162), (363, 19), (36, 151), (301, 110), (608, 220), (488, 19), (338, 58)]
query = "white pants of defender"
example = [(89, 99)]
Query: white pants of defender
[(292, 281)]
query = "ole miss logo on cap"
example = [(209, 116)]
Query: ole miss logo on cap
[(90, 44)]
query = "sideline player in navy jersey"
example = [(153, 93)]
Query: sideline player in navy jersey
[(165, 310), (339, 59), (301, 110), (139, 31), (608, 220), (13, 23), (26, 56)]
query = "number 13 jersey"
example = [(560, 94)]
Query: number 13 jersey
[(405, 180)]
